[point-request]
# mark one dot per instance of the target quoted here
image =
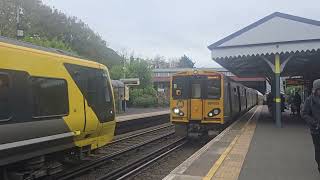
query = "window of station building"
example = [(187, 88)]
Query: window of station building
[(214, 88), (5, 110), (50, 97)]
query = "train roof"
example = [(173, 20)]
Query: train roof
[(44, 50), (198, 71)]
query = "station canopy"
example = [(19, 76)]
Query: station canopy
[(250, 51)]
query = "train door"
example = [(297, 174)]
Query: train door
[(246, 98), (196, 102), (239, 97), (230, 99), (99, 100)]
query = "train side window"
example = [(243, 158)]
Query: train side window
[(50, 97), (5, 110)]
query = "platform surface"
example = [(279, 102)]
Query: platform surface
[(137, 113), (252, 150), (280, 153)]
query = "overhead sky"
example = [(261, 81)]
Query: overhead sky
[(171, 28)]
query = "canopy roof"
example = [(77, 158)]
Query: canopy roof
[(246, 52)]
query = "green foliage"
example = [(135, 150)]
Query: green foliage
[(145, 97), (68, 33), (140, 68), (145, 101), (185, 62), (116, 72), (54, 43)]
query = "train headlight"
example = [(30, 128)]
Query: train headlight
[(176, 110), (216, 111)]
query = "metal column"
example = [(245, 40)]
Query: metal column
[(277, 97)]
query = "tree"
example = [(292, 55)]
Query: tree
[(54, 43), (185, 62), (43, 22), (117, 72), (159, 62), (140, 68)]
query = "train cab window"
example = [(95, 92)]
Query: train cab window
[(50, 97), (5, 112), (214, 88), (196, 90), (106, 87), (180, 87)]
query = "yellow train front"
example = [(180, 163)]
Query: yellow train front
[(53, 107), (206, 100)]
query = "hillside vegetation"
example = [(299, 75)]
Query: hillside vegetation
[(51, 28)]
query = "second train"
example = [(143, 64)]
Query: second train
[(203, 100)]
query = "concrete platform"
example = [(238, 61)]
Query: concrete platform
[(280, 153), (254, 149), (138, 113), (140, 119)]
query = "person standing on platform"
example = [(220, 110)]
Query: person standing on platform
[(297, 102), (311, 114)]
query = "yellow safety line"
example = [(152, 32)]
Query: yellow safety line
[(218, 163), (277, 64), (223, 156)]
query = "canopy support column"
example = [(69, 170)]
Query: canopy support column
[(277, 99)]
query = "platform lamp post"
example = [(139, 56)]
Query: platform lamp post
[(20, 31), (277, 97), (124, 88)]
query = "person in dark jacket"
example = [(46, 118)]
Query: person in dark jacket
[(297, 102), (311, 114)]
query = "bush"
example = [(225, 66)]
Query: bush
[(145, 101), (163, 101), (145, 97)]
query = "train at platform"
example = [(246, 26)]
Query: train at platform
[(54, 107), (203, 100)]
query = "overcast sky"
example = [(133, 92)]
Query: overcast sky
[(172, 28)]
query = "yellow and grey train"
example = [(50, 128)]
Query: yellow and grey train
[(202, 100), (52, 106)]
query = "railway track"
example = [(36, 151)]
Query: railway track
[(141, 132), (122, 147), (139, 164)]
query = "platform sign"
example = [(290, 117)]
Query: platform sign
[(131, 81), (297, 82), (126, 93)]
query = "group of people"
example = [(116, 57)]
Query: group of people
[(295, 103), (310, 113)]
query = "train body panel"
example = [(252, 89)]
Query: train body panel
[(44, 110), (205, 99)]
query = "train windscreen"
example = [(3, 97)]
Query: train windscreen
[(196, 87), (180, 89), (214, 87)]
